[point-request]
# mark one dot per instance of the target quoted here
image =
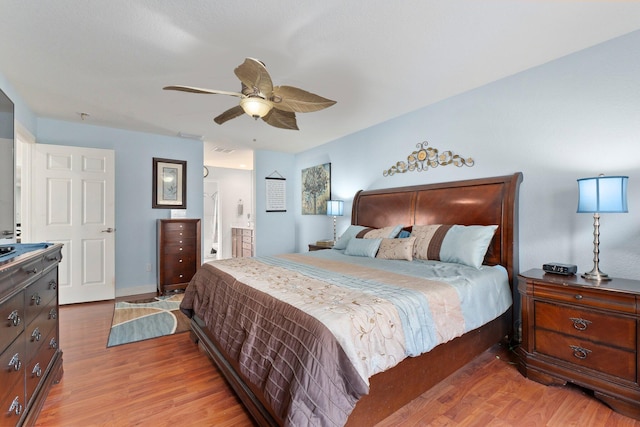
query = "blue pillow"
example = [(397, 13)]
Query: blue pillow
[(363, 247), (403, 234), (349, 234), (467, 244)]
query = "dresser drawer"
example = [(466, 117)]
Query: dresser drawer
[(582, 296), (13, 319), (40, 294), (587, 354), (41, 327), (12, 403), (582, 323), (176, 228), (39, 363), (12, 365), (188, 246), (179, 272)]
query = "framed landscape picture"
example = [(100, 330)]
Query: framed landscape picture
[(169, 184), (316, 189)]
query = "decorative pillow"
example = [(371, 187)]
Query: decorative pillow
[(467, 244), (380, 233), (363, 247), (453, 243), (349, 234), (399, 248), (403, 234)]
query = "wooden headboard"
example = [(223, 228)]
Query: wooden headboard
[(485, 201)]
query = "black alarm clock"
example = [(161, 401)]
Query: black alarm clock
[(558, 268)]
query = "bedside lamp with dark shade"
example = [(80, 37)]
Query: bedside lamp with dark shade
[(601, 194), (335, 208)]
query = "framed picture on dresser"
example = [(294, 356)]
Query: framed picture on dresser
[(169, 184)]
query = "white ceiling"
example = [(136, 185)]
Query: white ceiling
[(377, 58)]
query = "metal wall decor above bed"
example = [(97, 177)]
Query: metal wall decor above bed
[(425, 157)]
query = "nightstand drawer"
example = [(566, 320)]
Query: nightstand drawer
[(608, 329), (585, 297), (587, 354)]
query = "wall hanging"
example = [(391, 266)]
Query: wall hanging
[(169, 184), (276, 192), (424, 157), (316, 189)]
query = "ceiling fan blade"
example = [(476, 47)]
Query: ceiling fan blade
[(289, 98), (200, 90), (231, 113), (281, 119), (253, 74)]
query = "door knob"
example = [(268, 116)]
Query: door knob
[(109, 230)]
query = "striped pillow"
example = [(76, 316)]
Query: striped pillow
[(453, 243)]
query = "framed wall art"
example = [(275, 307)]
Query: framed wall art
[(169, 184), (316, 189)]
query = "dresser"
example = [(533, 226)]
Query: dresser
[(30, 355), (241, 242), (178, 253), (583, 332)]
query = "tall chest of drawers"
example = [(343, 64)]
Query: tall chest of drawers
[(583, 332), (30, 355), (178, 253)]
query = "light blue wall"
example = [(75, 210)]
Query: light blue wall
[(135, 218), (275, 231), (571, 118)]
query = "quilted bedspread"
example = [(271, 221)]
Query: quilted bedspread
[(334, 322)]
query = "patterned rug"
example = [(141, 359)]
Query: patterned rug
[(144, 319)]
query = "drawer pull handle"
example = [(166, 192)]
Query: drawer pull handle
[(578, 296), (37, 370), (53, 343), (31, 271), (14, 318), (16, 407), (36, 335), (15, 362), (580, 352), (35, 298), (580, 324), (53, 285), (53, 314)]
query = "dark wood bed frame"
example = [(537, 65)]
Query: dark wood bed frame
[(486, 201)]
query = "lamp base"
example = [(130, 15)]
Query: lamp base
[(596, 275)]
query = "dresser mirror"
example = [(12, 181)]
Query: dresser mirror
[(7, 170)]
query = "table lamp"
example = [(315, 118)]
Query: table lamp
[(335, 208), (601, 194)]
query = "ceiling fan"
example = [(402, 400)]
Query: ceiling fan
[(259, 98)]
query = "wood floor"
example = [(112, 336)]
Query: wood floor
[(168, 381)]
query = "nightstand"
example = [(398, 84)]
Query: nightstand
[(313, 247), (583, 332)]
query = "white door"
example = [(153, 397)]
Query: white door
[(73, 203)]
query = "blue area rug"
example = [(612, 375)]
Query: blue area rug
[(146, 319)]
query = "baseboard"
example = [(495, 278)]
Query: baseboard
[(136, 290)]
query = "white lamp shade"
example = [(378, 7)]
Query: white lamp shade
[(255, 106), (603, 194), (335, 207)]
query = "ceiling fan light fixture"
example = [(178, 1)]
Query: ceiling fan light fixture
[(255, 106)]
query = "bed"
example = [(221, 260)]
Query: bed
[(266, 347)]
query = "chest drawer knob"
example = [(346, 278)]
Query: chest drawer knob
[(15, 362), (53, 314), (37, 370), (53, 285), (580, 352), (53, 343), (36, 335), (580, 324), (578, 297), (36, 299), (16, 406), (14, 318)]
